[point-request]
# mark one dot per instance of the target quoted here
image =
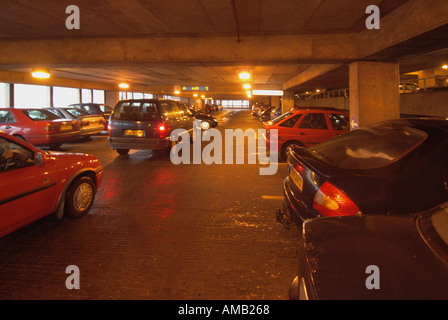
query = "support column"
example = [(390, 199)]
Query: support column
[(374, 94), (288, 100)]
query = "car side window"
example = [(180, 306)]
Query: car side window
[(168, 110), (314, 121), (14, 156), (291, 122), (339, 121), (149, 110), (6, 117)]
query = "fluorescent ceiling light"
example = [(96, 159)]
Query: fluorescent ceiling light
[(247, 86), (267, 92), (244, 75), (124, 85), (41, 73)]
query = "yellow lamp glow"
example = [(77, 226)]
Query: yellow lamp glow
[(124, 85), (40, 73), (247, 86), (244, 75)]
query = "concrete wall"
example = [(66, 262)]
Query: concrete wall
[(423, 103)]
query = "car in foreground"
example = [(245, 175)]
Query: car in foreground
[(147, 124), (384, 257), (35, 183), (393, 167), (39, 127), (90, 124), (306, 127)]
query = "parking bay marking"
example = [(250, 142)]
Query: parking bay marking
[(267, 197)]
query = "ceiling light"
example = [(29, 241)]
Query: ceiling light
[(195, 94), (244, 75), (202, 96), (41, 73), (445, 66), (124, 85), (247, 86), (176, 92)]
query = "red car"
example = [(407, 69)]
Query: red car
[(35, 183), (39, 126), (306, 127)]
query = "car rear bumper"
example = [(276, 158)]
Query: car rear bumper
[(53, 138), (297, 209), (92, 130), (138, 143)]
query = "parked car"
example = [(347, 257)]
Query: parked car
[(277, 112), (393, 167), (38, 126), (255, 108), (90, 124), (207, 120), (95, 109), (209, 108), (306, 127), (265, 114), (36, 183), (146, 124), (374, 257)]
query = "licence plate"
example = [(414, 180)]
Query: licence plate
[(296, 178), (66, 127), (135, 133)]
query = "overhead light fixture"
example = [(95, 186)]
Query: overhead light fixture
[(40, 73), (244, 75), (445, 66), (176, 92), (123, 85), (202, 96), (247, 86), (267, 92), (195, 94)]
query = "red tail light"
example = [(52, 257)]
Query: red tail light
[(50, 128), (109, 127), (85, 123), (330, 201), (162, 130)]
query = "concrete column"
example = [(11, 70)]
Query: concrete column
[(288, 100), (111, 98), (374, 94)]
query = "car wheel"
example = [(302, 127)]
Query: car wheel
[(80, 196), (123, 152), (290, 144)]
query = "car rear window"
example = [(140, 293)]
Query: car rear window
[(136, 110), (369, 147), (40, 115)]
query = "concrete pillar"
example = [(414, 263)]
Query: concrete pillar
[(288, 100), (425, 74), (374, 94), (111, 98)]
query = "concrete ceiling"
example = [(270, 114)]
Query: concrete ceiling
[(23, 22)]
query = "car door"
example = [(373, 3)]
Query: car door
[(313, 128), (339, 123), (27, 191)]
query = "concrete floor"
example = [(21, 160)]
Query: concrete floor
[(162, 232)]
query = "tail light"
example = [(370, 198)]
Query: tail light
[(50, 128), (330, 201), (84, 123), (109, 127), (162, 130)]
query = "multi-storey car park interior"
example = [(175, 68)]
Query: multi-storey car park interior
[(376, 60)]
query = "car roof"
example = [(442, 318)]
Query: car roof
[(317, 108)]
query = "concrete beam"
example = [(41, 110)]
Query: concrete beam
[(252, 50), (310, 73)]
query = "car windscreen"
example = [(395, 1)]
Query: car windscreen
[(136, 111), (105, 108), (282, 117), (369, 147), (40, 115)]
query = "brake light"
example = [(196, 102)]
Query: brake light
[(330, 201), (50, 128), (162, 130), (85, 123), (109, 127)]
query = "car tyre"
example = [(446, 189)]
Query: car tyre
[(284, 153), (123, 152), (80, 197)]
